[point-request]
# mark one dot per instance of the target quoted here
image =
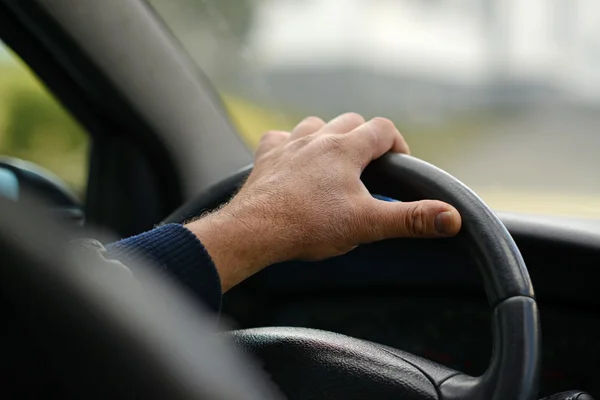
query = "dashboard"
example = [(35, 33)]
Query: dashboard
[(426, 297)]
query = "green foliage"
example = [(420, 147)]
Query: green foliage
[(31, 114), (35, 127)]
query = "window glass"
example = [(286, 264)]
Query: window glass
[(35, 127), (503, 94)]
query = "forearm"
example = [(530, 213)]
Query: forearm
[(179, 253), (239, 241)]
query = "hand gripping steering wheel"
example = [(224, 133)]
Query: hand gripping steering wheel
[(313, 364), (106, 338)]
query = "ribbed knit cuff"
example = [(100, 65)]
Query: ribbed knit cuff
[(178, 252)]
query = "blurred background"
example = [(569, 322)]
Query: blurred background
[(503, 94)]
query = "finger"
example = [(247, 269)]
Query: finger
[(375, 138), (307, 126), (419, 219), (270, 140), (344, 123)]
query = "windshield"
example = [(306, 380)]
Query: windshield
[(505, 95)]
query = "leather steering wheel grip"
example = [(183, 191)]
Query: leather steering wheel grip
[(311, 364)]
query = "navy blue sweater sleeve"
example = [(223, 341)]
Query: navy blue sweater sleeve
[(178, 252)]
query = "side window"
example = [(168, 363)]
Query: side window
[(215, 34), (35, 127)]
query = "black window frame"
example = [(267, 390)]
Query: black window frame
[(132, 180)]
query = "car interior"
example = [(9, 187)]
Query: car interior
[(509, 309)]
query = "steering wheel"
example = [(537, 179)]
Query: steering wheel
[(107, 338), (313, 364)]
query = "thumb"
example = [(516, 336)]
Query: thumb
[(419, 219)]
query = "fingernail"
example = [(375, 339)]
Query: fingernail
[(443, 223)]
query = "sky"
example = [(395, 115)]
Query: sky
[(536, 39)]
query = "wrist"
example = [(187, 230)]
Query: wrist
[(237, 244)]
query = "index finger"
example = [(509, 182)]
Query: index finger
[(376, 137)]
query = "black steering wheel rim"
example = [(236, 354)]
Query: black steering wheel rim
[(513, 371)]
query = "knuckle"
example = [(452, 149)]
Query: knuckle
[(274, 134), (311, 120), (299, 143), (381, 123), (305, 140), (335, 143), (416, 220), (354, 117), (370, 136)]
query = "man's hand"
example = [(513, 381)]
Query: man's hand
[(304, 200)]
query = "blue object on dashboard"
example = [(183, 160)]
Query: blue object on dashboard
[(384, 198), (9, 184)]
